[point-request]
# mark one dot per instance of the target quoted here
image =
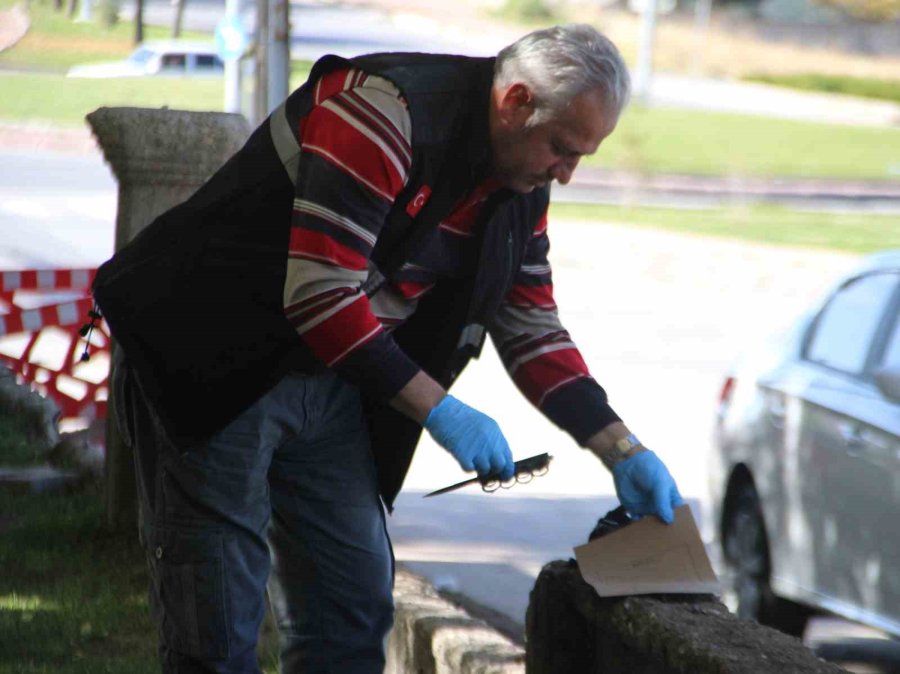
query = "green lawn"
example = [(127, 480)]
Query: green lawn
[(661, 140), (73, 596), (55, 43), (847, 232), (647, 140), (65, 101), (867, 87), (15, 450)]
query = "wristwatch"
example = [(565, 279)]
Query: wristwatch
[(620, 451)]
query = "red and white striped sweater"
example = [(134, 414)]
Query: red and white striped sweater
[(357, 141)]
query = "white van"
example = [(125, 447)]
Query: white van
[(172, 58)]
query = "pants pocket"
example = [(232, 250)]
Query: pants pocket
[(190, 592)]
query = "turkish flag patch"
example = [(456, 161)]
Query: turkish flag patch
[(418, 201)]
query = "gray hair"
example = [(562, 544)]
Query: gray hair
[(560, 63)]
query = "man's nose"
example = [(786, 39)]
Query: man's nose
[(563, 169)]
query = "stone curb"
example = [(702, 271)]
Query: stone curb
[(573, 631), (433, 636)]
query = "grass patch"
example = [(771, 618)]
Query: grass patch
[(55, 43), (663, 140), (65, 101), (648, 140), (775, 225), (62, 100), (73, 596), (528, 12), (15, 448), (866, 87)]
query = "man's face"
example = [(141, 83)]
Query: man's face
[(528, 157)]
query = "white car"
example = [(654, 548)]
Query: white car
[(805, 476), (172, 58)]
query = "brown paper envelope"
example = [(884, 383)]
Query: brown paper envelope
[(649, 557)]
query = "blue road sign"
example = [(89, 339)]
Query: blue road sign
[(231, 38)]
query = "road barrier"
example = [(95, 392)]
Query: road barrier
[(46, 323)]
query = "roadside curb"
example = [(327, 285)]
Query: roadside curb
[(45, 137), (589, 177)]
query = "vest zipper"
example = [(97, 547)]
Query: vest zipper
[(509, 256)]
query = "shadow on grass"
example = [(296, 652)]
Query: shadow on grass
[(72, 595)]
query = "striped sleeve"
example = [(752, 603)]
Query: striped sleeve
[(356, 158), (538, 352)]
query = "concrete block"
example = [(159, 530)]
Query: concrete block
[(573, 631), (38, 415)]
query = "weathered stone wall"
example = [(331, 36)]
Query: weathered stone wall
[(432, 636), (37, 415), (573, 631)]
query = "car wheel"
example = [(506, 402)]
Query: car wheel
[(746, 549)]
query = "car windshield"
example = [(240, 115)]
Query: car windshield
[(140, 56)]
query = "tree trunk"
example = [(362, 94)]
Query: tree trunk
[(179, 18), (261, 97), (139, 21), (70, 8)]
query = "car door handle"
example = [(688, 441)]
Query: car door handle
[(853, 438)]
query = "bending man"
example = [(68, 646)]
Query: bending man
[(289, 330)]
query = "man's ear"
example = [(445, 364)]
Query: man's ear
[(516, 105)]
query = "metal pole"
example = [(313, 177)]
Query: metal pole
[(278, 53), (232, 66), (701, 30), (644, 70), (261, 99)]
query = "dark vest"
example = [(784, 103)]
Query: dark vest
[(195, 300)]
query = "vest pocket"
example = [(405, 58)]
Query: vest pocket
[(189, 592)]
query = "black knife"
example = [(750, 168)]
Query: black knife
[(532, 465)]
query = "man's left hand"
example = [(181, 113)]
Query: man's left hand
[(645, 487)]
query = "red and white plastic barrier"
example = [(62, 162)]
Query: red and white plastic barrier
[(41, 340)]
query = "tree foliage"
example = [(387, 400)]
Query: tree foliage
[(869, 10)]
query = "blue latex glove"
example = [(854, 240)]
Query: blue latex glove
[(645, 487), (474, 439)]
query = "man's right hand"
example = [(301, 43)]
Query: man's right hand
[(473, 438)]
